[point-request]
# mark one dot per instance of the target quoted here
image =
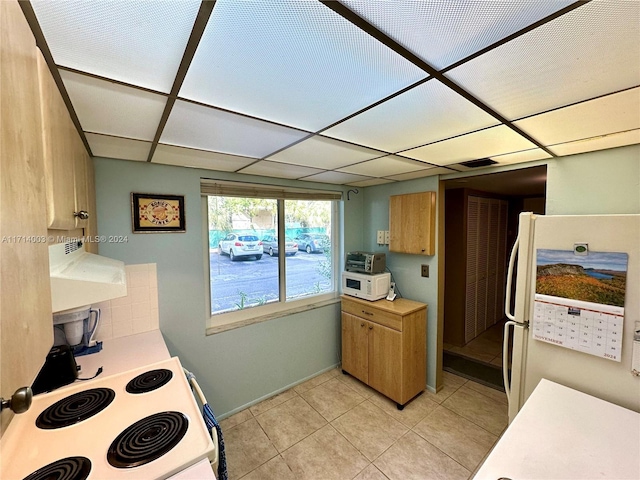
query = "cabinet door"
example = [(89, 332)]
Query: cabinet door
[(412, 223), (80, 186), (385, 361), (355, 347)]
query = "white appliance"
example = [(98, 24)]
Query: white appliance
[(367, 287), (534, 359), (151, 409)]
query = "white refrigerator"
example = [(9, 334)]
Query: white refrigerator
[(583, 344)]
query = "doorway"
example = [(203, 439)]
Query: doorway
[(480, 227)]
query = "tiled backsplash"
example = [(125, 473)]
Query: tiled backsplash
[(135, 313)]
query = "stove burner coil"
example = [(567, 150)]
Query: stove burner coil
[(70, 468), (75, 408), (149, 381), (147, 439)]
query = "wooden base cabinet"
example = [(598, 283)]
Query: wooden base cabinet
[(384, 344)]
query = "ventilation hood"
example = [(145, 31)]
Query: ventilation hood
[(79, 278)]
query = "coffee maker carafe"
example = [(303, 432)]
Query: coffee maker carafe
[(78, 328)]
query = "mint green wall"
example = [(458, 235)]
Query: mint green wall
[(406, 268), (603, 182), (239, 366)]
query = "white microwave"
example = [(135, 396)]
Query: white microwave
[(367, 287)]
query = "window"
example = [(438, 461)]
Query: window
[(269, 249)]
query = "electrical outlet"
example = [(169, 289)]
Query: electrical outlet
[(425, 270), (380, 237), (386, 237)]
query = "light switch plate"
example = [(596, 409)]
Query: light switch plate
[(380, 237), (386, 237)]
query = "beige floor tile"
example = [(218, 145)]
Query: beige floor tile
[(456, 436), (315, 381), (274, 401), (412, 457), (357, 385), (235, 419), (451, 383), (371, 473), (369, 429), (247, 447), (333, 398), (290, 422), (497, 361), (274, 469), (478, 408), (492, 393), (325, 455), (453, 379), (413, 412)]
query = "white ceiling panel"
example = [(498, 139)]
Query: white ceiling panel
[(141, 43), (424, 114), (422, 173), (484, 143), (293, 62), (588, 52), (118, 147), (598, 143), (370, 183), (335, 177), (521, 157), (384, 166), (279, 170), (324, 153), (189, 157), (112, 109), (195, 126), (443, 32), (613, 113)]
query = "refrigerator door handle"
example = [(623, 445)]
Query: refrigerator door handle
[(505, 359), (507, 300)]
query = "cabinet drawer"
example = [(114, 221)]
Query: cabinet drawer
[(372, 314)]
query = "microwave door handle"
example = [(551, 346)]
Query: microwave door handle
[(512, 261)]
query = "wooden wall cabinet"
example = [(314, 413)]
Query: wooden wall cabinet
[(65, 158), (412, 223), (384, 344)]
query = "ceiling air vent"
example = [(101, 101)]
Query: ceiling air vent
[(481, 162)]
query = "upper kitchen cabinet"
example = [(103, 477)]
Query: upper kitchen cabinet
[(25, 297), (412, 223), (65, 158)]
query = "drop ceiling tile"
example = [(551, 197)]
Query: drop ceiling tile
[(293, 62), (337, 178), (118, 147), (424, 114), (590, 51), (324, 153), (484, 143), (613, 113), (112, 109), (385, 166), (189, 157), (518, 157), (279, 170), (443, 32), (370, 183), (141, 43), (196, 126), (429, 172), (597, 143)]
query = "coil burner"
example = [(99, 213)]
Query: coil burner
[(75, 408), (149, 381), (147, 439), (70, 468)]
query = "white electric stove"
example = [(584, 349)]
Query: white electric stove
[(142, 423)]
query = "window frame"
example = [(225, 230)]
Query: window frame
[(230, 320)]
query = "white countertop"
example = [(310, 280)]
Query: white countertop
[(125, 353), (561, 433)]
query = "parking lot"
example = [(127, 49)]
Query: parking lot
[(258, 279)]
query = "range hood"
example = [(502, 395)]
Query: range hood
[(79, 278)]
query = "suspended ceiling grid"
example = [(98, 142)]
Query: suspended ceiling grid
[(357, 92)]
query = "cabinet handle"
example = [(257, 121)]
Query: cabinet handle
[(82, 214), (362, 324), (370, 327), (367, 313)]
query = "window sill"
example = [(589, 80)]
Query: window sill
[(243, 318)]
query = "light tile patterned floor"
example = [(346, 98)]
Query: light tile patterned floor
[(486, 347), (335, 427)]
